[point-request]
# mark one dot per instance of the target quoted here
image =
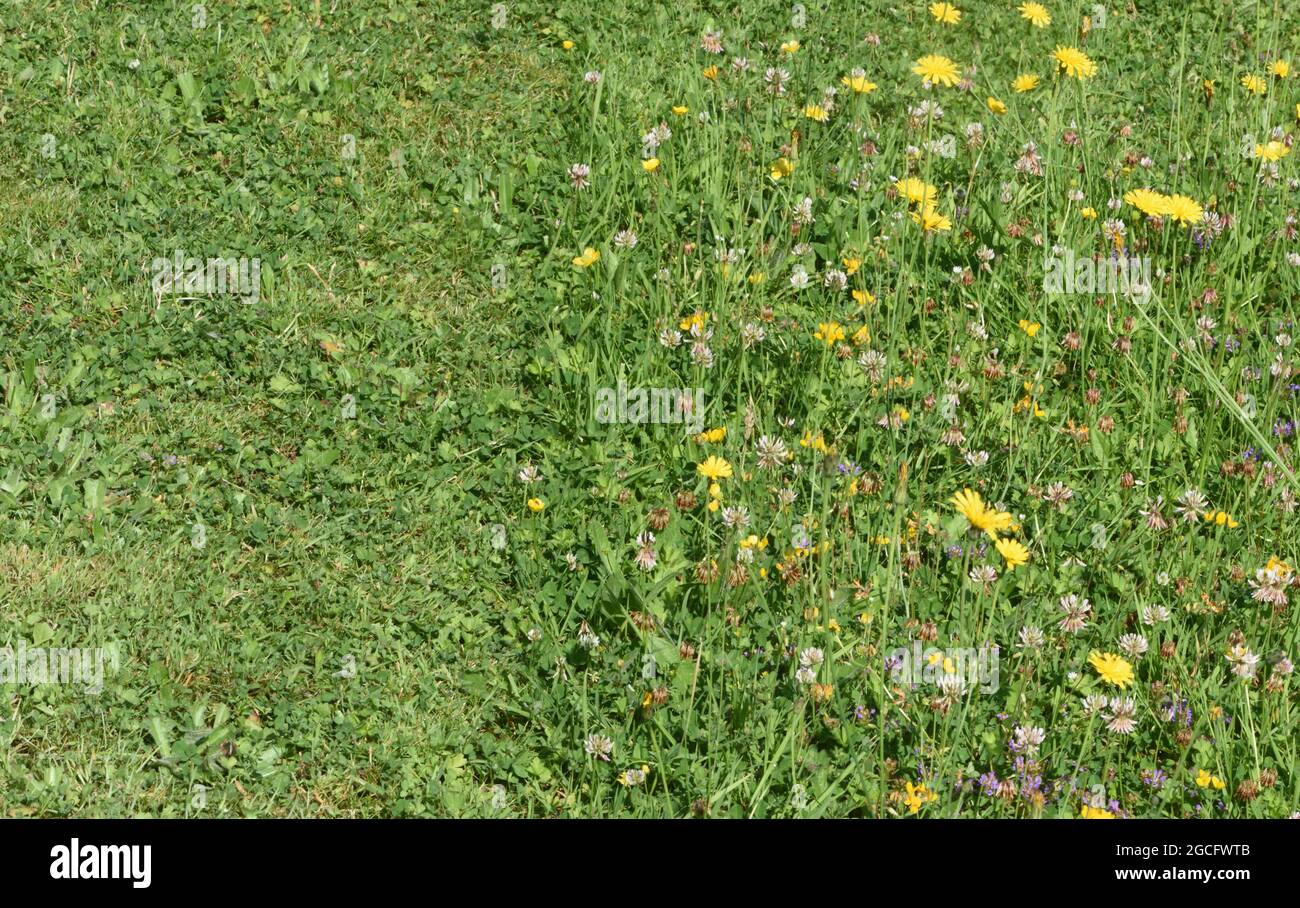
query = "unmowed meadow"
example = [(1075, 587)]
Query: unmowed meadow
[(633, 410)]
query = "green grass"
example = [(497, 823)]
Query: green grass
[(376, 624)]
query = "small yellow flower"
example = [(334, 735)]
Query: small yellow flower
[(917, 192), (782, 168), (816, 112), (650, 165), (1279, 68), (1075, 62), (1254, 84), (864, 297), (1013, 553), (536, 504), (1220, 518), (1148, 201), (1111, 668), (710, 73), (695, 321), (567, 45), (937, 70), (1273, 150), (1088, 214), (860, 85), (714, 468), (1025, 82), (945, 13), (588, 258), (918, 796), (1205, 780), (931, 220), (681, 110), (1183, 209), (1036, 13), (1030, 328), (996, 106), (1096, 813), (982, 517), (790, 47), (829, 333)]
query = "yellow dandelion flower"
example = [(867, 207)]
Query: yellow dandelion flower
[(1184, 210), (996, 106), (1025, 82), (1036, 13), (945, 13), (917, 192), (1075, 62), (1013, 553), (1148, 201), (1272, 150), (937, 70), (860, 85), (1254, 84), (714, 468), (1111, 668), (971, 506), (931, 220)]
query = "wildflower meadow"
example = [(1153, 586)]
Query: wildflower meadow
[(750, 410)]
